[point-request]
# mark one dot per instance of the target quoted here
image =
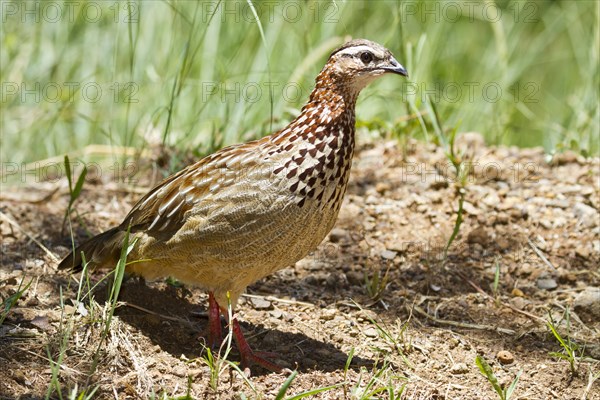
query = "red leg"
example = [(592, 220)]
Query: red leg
[(249, 356), (214, 323)]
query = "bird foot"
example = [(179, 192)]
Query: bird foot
[(249, 356), (215, 340), (260, 358)]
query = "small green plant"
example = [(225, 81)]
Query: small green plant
[(382, 380), (66, 328), (75, 394), (461, 169), (74, 191), (346, 368), (67, 322), (398, 342), (163, 395), (570, 348), (217, 363), (486, 370), (215, 368), (114, 290), (376, 283), (286, 385), (10, 301), (462, 175)]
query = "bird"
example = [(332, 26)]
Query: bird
[(248, 210)]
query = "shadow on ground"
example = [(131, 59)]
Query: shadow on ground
[(175, 320)]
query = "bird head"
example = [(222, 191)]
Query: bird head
[(357, 63)]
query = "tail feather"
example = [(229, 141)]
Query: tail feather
[(99, 251)]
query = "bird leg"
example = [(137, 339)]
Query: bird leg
[(215, 337), (214, 322), (248, 355)]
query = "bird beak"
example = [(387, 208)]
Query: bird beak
[(395, 67)]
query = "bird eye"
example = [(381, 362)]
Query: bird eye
[(366, 57)]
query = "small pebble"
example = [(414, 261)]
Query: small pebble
[(459, 368), (435, 288), (502, 219), (519, 302), (260, 303), (584, 211), (478, 235), (371, 332), (179, 371), (453, 342), (41, 322), (546, 283), (471, 209), (505, 357), (382, 187), (388, 254), (328, 314), (583, 251), (587, 216), (587, 304)]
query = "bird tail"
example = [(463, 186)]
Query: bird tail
[(99, 251)]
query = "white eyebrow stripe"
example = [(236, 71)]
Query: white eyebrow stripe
[(357, 49)]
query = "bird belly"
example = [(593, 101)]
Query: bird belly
[(236, 240)]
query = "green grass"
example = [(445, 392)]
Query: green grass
[(504, 393), (571, 352), (379, 383), (60, 348), (10, 302), (202, 75), (74, 191)]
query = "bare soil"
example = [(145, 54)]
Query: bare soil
[(533, 218)]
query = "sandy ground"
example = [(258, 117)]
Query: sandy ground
[(416, 331)]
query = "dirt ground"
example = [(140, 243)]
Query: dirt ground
[(416, 331)]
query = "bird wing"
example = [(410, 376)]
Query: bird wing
[(162, 211)]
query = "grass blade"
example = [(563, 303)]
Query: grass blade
[(286, 385), (487, 371)]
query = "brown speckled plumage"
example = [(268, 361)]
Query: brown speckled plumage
[(251, 209)]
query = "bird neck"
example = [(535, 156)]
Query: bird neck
[(333, 93), (328, 112)]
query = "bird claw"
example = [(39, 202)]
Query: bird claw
[(259, 358)]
